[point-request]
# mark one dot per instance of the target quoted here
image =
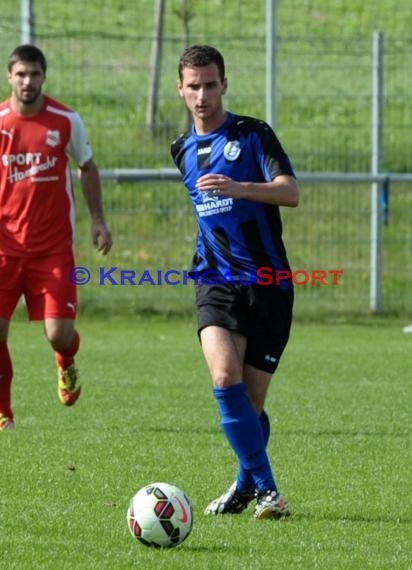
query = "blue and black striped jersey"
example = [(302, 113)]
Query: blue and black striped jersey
[(234, 235)]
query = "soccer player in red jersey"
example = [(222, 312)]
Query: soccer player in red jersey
[(38, 137)]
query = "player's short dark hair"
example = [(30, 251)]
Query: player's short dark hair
[(200, 56), (27, 52)]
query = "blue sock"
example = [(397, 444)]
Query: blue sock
[(244, 431), (244, 480)]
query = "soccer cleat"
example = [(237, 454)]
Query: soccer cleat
[(231, 502), (66, 387), (6, 423), (271, 505)]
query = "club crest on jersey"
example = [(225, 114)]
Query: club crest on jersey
[(232, 150), (53, 138)]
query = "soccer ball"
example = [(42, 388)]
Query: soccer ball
[(160, 515)]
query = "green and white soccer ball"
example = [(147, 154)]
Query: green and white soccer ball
[(160, 515)]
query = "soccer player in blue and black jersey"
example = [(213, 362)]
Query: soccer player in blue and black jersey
[(237, 175)]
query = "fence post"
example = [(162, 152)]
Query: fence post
[(376, 164), (26, 21), (270, 62), (155, 64)]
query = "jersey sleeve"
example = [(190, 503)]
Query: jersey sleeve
[(272, 158), (79, 148), (177, 150)]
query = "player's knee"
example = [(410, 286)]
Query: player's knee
[(60, 337), (223, 379)]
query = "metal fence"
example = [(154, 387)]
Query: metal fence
[(99, 57), (329, 232)]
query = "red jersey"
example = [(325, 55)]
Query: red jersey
[(36, 191)]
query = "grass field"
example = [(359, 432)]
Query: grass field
[(340, 445), (340, 402)]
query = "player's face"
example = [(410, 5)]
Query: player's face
[(26, 79), (202, 90)]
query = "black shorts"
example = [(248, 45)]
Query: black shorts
[(263, 314)]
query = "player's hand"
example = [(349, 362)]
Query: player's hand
[(101, 237), (215, 184)]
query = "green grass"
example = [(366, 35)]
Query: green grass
[(340, 403), (340, 446)]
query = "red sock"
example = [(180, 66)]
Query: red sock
[(66, 358), (6, 375)]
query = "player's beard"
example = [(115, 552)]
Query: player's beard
[(28, 98)]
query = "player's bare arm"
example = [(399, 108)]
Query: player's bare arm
[(92, 191), (281, 191)]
